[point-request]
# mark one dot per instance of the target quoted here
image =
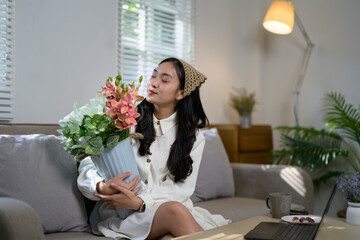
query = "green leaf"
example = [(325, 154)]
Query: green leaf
[(66, 131), (97, 118), (102, 126), (93, 150), (112, 141), (117, 80), (96, 142), (124, 134), (90, 132), (76, 151), (118, 77), (82, 132), (308, 148), (88, 123), (342, 116), (95, 146)]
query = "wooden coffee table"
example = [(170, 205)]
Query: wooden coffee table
[(332, 229)]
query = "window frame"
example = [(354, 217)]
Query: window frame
[(150, 31), (7, 58)]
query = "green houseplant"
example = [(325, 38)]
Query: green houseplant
[(315, 150), (244, 103)]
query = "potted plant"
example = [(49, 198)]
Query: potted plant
[(311, 149), (349, 185), (315, 149), (244, 103)]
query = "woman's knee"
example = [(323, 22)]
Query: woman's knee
[(174, 218), (175, 209)]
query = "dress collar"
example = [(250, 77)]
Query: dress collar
[(163, 125)]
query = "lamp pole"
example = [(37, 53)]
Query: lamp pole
[(303, 68)]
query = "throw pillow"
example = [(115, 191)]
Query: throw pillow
[(37, 170), (215, 178)]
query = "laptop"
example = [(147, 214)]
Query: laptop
[(279, 231)]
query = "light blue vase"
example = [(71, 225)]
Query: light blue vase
[(117, 160)]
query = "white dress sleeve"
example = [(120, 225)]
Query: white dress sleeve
[(168, 190), (88, 178)]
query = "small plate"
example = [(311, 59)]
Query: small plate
[(289, 219)]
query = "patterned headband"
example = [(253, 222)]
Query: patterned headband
[(193, 78)]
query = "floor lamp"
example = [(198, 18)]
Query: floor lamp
[(279, 19)]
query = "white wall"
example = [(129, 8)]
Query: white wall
[(65, 50), (233, 50)]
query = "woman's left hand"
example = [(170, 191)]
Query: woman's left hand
[(124, 199)]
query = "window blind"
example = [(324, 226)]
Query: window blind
[(7, 23), (151, 30)]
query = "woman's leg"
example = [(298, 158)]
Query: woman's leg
[(173, 218), (166, 237)]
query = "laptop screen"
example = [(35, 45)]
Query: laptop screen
[(327, 207)]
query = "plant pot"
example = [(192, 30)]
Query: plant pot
[(353, 213), (245, 121), (117, 160)]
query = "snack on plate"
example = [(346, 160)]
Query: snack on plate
[(303, 219)]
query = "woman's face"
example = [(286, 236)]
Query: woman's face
[(163, 89)]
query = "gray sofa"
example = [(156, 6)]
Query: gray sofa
[(39, 198)]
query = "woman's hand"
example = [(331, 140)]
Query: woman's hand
[(124, 198), (105, 188)]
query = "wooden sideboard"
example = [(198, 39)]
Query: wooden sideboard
[(246, 145)]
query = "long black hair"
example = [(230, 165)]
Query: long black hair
[(190, 117)]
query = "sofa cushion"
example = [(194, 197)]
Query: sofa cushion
[(235, 208), (215, 178), (75, 236), (36, 169)]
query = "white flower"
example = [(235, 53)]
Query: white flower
[(74, 127), (96, 106), (74, 116)]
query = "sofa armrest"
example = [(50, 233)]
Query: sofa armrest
[(258, 180), (18, 220)]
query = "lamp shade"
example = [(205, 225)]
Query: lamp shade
[(280, 18)]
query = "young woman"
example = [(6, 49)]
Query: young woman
[(168, 159)]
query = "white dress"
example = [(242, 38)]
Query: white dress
[(158, 187)]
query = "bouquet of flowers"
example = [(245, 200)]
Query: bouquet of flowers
[(104, 122), (101, 130), (349, 185)]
